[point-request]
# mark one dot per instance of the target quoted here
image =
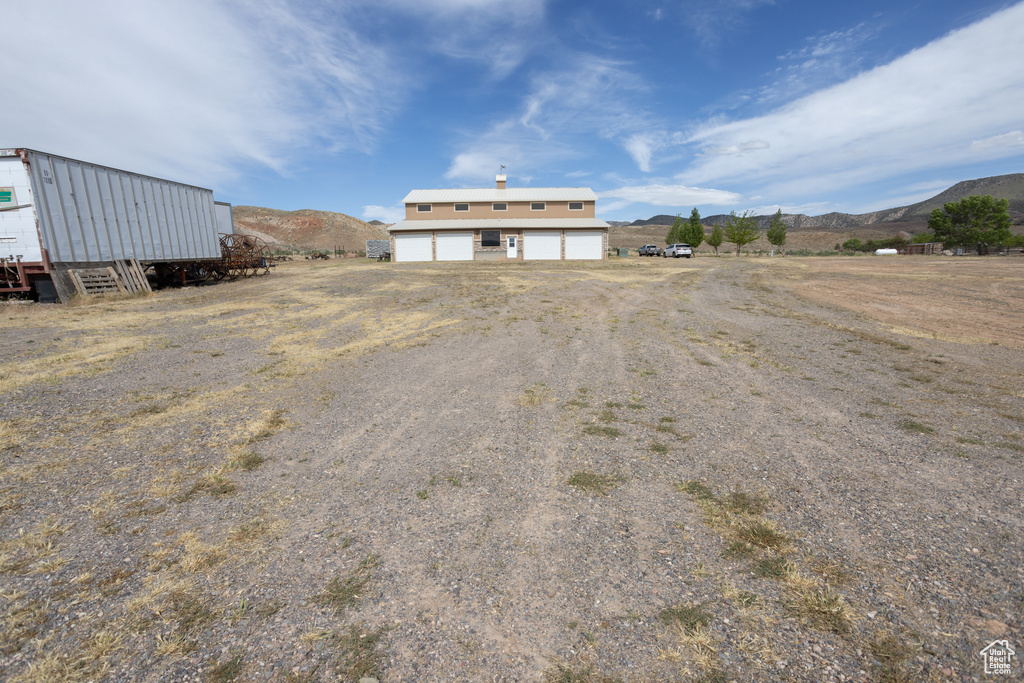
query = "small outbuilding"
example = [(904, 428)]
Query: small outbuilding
[(500, 224)]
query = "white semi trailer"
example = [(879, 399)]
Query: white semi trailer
[(59, 214)]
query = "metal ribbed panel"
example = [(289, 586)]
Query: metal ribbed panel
[(94, 213)]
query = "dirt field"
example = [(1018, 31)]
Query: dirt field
[(639, 470)]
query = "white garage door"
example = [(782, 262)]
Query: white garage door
[(454, 246), (583, 245), (542, 245), (413, 247)]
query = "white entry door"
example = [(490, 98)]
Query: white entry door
[(415, 246), (512, 242), (454, 246), (584, 245), (542, 245)]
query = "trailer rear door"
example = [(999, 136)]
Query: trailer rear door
[(19, 237)]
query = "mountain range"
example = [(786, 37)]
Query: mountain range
[(1010, 187)]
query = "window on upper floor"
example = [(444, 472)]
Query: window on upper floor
[(499, 206), (537, 206), (462, 207), (575, 206), (423, 208)]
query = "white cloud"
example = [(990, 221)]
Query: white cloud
[(190, 89), (586, 97), (745, 146), (998, 144), (385, 214), (923, 110), (670, 195)]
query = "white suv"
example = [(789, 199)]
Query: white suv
[(677, 250)]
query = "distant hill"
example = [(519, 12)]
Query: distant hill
[(306, 228), (915, 216)]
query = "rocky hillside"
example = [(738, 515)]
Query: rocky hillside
[(306, 229), (908, 218)]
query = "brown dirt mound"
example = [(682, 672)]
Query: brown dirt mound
[(306, 228)]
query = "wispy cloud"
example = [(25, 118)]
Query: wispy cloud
[(924, 110), (191, 89), (588, 97), (711, 21), (670, 195), (822, 61)]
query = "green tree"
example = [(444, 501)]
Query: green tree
[(777, 230), (922, 238), (852, 244), (692, 232), (716, 238), (978, 220), (741, 230), (674, 233)]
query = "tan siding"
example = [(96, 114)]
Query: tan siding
[(483, 210)]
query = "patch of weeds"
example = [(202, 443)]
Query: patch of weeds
[(648, 372), (775, 567), (969, 440), (762, 533), (892, 654), (190, 611), (697, 490), (1009, 445), (608, 416), (705, 362), (577, 403), (423, 494), (636, 406), (215, 485), (915, 427), (359, 656), (227, 670), (612, 404), (744, 503), (822, 608), (249, 460), (455, 481), (659, 448), (601, 430), (344, 591), (591, 482), (270, 422), (1011, 416), (880, 402), (560, 672), (689, 617), (22, 622), (536, 395), (923, 379), (149, 409), (738, 549), (666, 419), (870, 416), (746, 599)]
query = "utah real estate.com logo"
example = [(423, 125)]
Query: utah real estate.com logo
[(997, 657)]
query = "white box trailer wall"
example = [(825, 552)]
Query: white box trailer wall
[(85, 216)]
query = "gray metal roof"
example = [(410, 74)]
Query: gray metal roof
[(515, 194), (499, 223)]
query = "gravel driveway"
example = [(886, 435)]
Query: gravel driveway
[(719, 469)]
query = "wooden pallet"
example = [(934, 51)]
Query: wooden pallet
[(123, 276)]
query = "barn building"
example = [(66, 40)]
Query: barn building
[(500, 224)]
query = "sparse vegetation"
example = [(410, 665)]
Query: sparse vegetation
[(591, 482)]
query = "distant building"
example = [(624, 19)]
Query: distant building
[(500, 224)]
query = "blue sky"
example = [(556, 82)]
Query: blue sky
[(657, 106)]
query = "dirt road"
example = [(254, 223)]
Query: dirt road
[(717, 469)]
